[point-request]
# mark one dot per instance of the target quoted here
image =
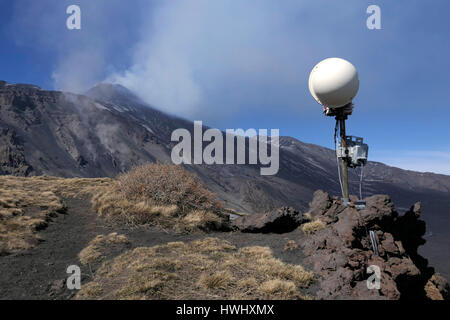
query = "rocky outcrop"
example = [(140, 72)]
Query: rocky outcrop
[(342, 253), (12, 158), (281, 220)]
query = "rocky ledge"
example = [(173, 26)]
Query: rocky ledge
[(342, 252), (343, 256), (281, 220)]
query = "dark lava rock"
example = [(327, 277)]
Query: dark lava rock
[(341, 253), (12, 158), (320, 203), (281, 220)]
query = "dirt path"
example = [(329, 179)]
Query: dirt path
[(31, 274), (40, 273)]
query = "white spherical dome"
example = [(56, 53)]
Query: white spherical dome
[(334, 82)]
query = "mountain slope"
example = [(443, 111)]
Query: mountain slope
[(63, 134)]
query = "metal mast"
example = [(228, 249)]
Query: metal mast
[(334, 83), (341, 118)]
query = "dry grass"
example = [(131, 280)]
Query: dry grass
[(291, 245), (281, 288), (219, 280), (432, 292), (232, 211), (205, 269), (313, 226), (203, 220), (28, 204), (94, 252), (163, 195)]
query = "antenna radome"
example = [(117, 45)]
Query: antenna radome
[(334, 82)]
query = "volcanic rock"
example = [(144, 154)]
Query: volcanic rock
[(281, 220), (341, 253)]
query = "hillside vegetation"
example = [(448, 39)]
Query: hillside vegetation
[(203, 269), (28, 204), (139, 236)]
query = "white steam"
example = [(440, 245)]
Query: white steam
[(211, 58)]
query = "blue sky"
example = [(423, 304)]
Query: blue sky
[(245, 64)]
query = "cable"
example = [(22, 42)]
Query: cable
[(373, 239)]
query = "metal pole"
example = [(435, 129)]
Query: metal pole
[(344, 160)]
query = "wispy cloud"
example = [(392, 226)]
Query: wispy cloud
[(202, 57), (417, 160), (215, 59), (83, 57), (246, 63)]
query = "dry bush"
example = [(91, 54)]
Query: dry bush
[(160, 194), (204, 269), (167, 184), (28, 204), (313, 226)]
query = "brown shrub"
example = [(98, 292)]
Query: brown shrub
[(161, 194), (167, 184)]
